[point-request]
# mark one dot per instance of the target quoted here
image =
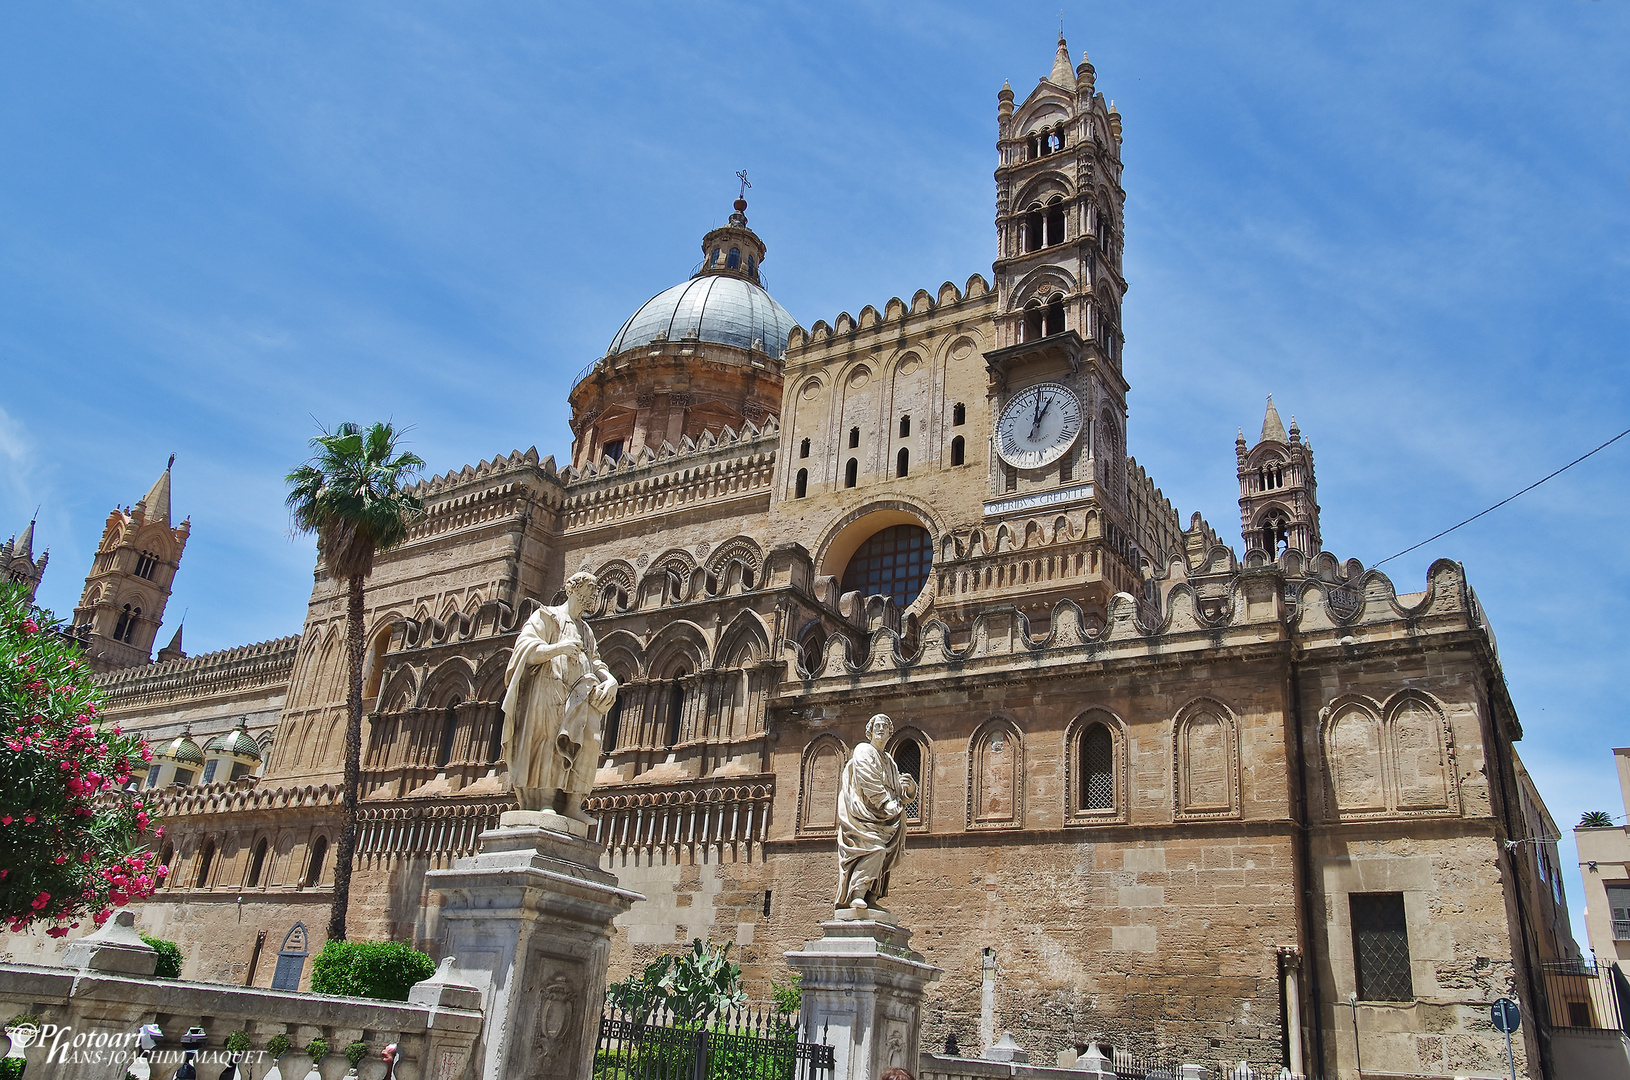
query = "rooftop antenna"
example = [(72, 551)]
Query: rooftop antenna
[(745, 183)]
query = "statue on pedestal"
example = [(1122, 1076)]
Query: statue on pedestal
[(557, 693), (872, 798)]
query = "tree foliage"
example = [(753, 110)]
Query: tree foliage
[(376, 969), (73, 838), (169, 957), (693, 986), (1596, 819)]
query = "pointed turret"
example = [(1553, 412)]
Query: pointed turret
[(1273, 429), (24, 545), (172, 651), (1063, 73), (157, 499), (17, 562)]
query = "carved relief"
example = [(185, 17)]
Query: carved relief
[(818, 789), (995, 776), (1205, 762), (1397, 760)]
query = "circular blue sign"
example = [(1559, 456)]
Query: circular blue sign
[(1506, 1016)]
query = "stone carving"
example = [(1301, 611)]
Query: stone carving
[(558, 691), (872, 797)]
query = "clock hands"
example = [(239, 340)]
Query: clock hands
[(1041, 411)]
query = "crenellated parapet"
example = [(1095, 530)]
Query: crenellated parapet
[(895, 317), (725, 465), (265, 665)]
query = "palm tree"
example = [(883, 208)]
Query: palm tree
[(1596, 819), (350, 493)]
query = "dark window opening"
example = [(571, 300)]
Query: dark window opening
[(854, 437), (676, 711), (1270, 477), (1010, 478), (733, 260), (121, 629), (314, 866), (958, 450), (209, 770), (1066, 469), (893, 562), (752, 267), (1055, 223), (1034, 322), (204, 866), (239, 771), (182, 778), (801, 488), (152, 775), (1055, 316), (902, 462), (908, 757), (145, 564), (257, 865), (803, 449), (813, 647), (1097, 769), (1035, 222), (714, 260), (850, 472), (1381, 946), (905, 426), (766, 903), (495, 739), (959, 414), (1276, 535), (613, 727), (614, 450), (449, 730)]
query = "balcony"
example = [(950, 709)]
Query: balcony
[(1621, 929)]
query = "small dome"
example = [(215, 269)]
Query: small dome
[(711, 307), (237, 741), (182, 750)]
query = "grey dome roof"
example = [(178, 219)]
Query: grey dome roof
[(712, 307)]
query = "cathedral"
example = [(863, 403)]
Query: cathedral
[(1232, 802)]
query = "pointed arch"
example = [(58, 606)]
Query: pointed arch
[(400, 691), (996, 775), (1421, 741), (1205, 761), (818, 777), (1095, 769), (1354, 753), (912, 753), (453, 678)]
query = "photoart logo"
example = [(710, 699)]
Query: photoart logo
[(21, 1033)]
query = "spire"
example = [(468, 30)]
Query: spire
[(1063, 71), (158, 498), (1273, 428), (172, 651), (24, 547)]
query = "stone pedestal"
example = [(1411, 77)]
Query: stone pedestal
[(527, 922), (863, 993)]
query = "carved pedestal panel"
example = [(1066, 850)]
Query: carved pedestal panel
[(528, 922), (863, 993)]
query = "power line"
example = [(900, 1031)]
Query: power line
[(1502, 502)]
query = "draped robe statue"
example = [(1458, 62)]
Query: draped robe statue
[(557, 693), (872, 797)]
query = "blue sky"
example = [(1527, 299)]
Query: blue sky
[(221, 224)]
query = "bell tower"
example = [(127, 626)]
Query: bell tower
[(1058, 282), (130, 580), (17, 562), (1278, 497)]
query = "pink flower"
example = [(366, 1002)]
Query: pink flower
[(30, 626), (28, 819), (41, 900), (58, 931), (5, 820)]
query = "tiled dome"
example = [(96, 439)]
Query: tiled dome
[(711, 307)]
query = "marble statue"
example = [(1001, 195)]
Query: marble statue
[(557, 693), (872, 798)]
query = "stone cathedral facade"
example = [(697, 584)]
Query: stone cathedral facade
[(1173, 793)]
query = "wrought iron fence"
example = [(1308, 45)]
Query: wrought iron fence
[(1244, 1070), (747, 1045), (1585, 994), (1130, 1066)]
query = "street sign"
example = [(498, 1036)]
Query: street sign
[(1506, 1016)]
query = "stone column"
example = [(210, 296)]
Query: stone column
[(528, 923), (863, 993)]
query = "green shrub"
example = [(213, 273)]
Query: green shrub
[(237, 1042), (355, 1052), (374, 969), (317, 1049), (169, 957), (278, 1045), (788, 996)]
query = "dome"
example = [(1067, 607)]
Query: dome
[(237, 741), (183, 751), (712, 307)]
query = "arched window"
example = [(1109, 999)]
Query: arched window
[(714, 260), (1034, 224), (908, 756), (449, 731), (959, 414), (812, 646), (145, 564), (902, 462), (205, 865), (752, 267), (257, 865), (1055, 222), (803, 449), (905, 426), (314, 863), (958, 452), (1097, 769), (1275, 535), (893, 562), (121, 629), (1034, 321), (733, 260), (1055, 316), (613, 725), (850, 472), (676, 710), (854, 437), (801, 488)]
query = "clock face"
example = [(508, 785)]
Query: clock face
[(1037, 425)]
